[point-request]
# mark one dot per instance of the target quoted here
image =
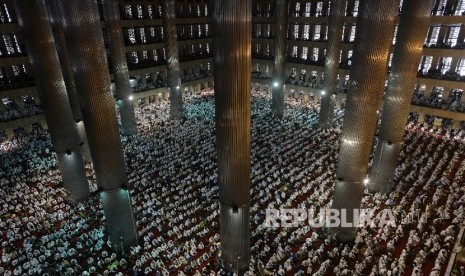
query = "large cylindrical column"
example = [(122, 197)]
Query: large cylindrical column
[(333, 49), (375, 29), (86, 52), (120, 66), (172, 58), (407, 53), (279, 70), (232, 40), (59, 37), (38, 38)]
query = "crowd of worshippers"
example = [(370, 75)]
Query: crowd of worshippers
[(304, 80), (172, 169), (13, 111), (150, 83), (435, 100), (194, 74)]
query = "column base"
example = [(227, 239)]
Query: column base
[(347, 197), (128, 119), (327, 112), (235, 237), (119, 219), (176, 105), (384, 166), (71, 166), (326, 121), (83, 138), (176, 114), (277, 105), (278, 113)]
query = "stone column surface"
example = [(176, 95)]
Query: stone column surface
[(38, 39), (413, 26), (375, 29), (86, 52), (333, 49), (279, 69), (120, 66), (232, 25), (172, 59), (66, 70)]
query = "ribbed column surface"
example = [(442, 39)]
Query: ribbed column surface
[(411, 32), (85, 149), (280, 44), (58, 35), (172, 58), (232, 24), (413, 26), (60, 44), (86, 51), (333, 49), (375, 25), (38, 39), (120, 66)]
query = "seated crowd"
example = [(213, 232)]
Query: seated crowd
[(196, 74), (158, 82), (13, 111), (173, 175), (435, 100)]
